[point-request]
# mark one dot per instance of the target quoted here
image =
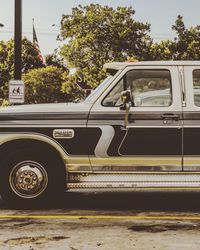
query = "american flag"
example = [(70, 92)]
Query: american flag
[(36, 44)]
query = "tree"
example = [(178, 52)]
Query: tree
[(98, 34), (30, 56), (6, 61), (187, 42), (185, 46), (44, 85), (56, 60), (162, 50), (30, 60)]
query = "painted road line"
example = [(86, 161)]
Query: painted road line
[(99, 217)]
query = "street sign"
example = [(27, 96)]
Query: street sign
[(80, 81), (16, 91)]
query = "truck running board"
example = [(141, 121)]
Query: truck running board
[(172, 180)]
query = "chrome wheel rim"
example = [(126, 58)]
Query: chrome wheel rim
[(28, 179)]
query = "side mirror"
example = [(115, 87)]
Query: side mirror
[(126, 99), (126, 103)]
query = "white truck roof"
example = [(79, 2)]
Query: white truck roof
[(122, 65)]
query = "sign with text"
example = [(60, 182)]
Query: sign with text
[(16, 91), (81, 82)]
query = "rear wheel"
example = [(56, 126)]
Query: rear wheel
[(28, 178)]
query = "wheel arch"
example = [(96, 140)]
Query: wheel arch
[(14, 142)]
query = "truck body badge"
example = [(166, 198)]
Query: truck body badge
[(63, 133)]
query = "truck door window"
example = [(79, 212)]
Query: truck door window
[(196, 87), (113, 98), (149, 88)]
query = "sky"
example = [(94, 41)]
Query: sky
[(161, 14)]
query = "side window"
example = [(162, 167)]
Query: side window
[(113, 99), (196, 87), (149, 88)]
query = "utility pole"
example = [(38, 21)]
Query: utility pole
[(16, 86), (18, 40)]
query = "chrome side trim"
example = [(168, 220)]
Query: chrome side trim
[(171, 185), (78, 164), (134, 180), (130, 168), (155, 126), (137, 163), (42, 123), (134, 177), (191, 163), (63, 133), (191, 126)]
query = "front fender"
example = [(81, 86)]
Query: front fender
[(9, 137), (72, 163)]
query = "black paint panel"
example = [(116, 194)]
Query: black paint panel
[(191, 141), (152, 141), (117, 140), (83, 143)]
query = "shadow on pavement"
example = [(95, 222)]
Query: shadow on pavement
[(126, 201), (133, 201)]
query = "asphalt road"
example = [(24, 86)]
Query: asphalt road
[(106, 220)]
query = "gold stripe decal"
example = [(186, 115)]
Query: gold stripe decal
[(112, 217)]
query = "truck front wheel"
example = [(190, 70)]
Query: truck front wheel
[(28, 178)]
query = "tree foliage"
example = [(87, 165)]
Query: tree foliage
[(44, 85), (56, 60), (98, 34), (93, 35), (162, 50), (187, 42), (30, 60), (185, 46)]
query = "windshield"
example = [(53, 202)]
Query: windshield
[(95, 93)]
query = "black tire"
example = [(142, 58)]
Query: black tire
[(29, 179)]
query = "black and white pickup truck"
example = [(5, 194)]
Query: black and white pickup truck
[(139, 129)]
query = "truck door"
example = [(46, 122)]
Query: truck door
[(191, 115), (152, 141)]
